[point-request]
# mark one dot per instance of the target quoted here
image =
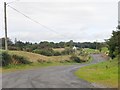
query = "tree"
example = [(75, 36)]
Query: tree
[(114, 44), (2, 41), (20, 45)]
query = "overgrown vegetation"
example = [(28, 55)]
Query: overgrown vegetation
[(7, 59), (75, 59), (11, 58), (52, 52)]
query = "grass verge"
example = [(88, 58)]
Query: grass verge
[(12, 68), (104, 73)]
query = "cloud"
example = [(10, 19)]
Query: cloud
[(77, 20)]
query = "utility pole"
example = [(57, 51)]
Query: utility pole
[(5, 18), (96, 44)]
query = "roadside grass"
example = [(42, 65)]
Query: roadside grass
[(104, 73), (12, 68)]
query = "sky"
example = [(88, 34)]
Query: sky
[(77, 20)]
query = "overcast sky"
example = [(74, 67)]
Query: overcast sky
[(78, 20)]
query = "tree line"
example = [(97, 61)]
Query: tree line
[(46, 48), (28, 46)]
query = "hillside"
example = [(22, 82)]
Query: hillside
[(16, 60), (35, 57)]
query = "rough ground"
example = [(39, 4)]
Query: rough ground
[(50, 77)]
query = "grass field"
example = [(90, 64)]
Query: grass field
[(104, 73), (59, 49), (90, 51), (105, 50)]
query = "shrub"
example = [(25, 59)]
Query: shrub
[(75, 59), (19, 60), (47, 52), (12, 59), (56, 53), (6, 59), (41, 61), (67, 51), (65, 61)]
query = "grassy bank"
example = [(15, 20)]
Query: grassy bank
[(104, 73), (37, 60), (33, 57)]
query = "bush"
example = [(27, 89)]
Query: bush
[(19, 60), (56, 53), (6, 59), (51, 52), (75, 59), (65, 61), (41, 61), (47, 52), (12, 59), (67, 51)]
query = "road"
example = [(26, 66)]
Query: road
[(49, 77)]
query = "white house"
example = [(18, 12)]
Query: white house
[(74, 48)]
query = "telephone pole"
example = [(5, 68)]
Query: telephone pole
[(5, 18)]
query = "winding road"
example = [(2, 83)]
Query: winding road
[(49, 77)]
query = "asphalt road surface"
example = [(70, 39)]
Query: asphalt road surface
[(49, 77)]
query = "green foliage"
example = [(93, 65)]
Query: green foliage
[(89, 51), (30, 47), (56, 53), (51, 52), (47, 52), (19, 60), (114, 44), (2, 41), (104, 50), (75, 59), (67, 51), (12, 59), (6, 59)]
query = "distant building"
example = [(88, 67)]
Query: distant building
[(74, 48)]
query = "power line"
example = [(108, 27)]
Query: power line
[(11, 2), (36, 21)]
